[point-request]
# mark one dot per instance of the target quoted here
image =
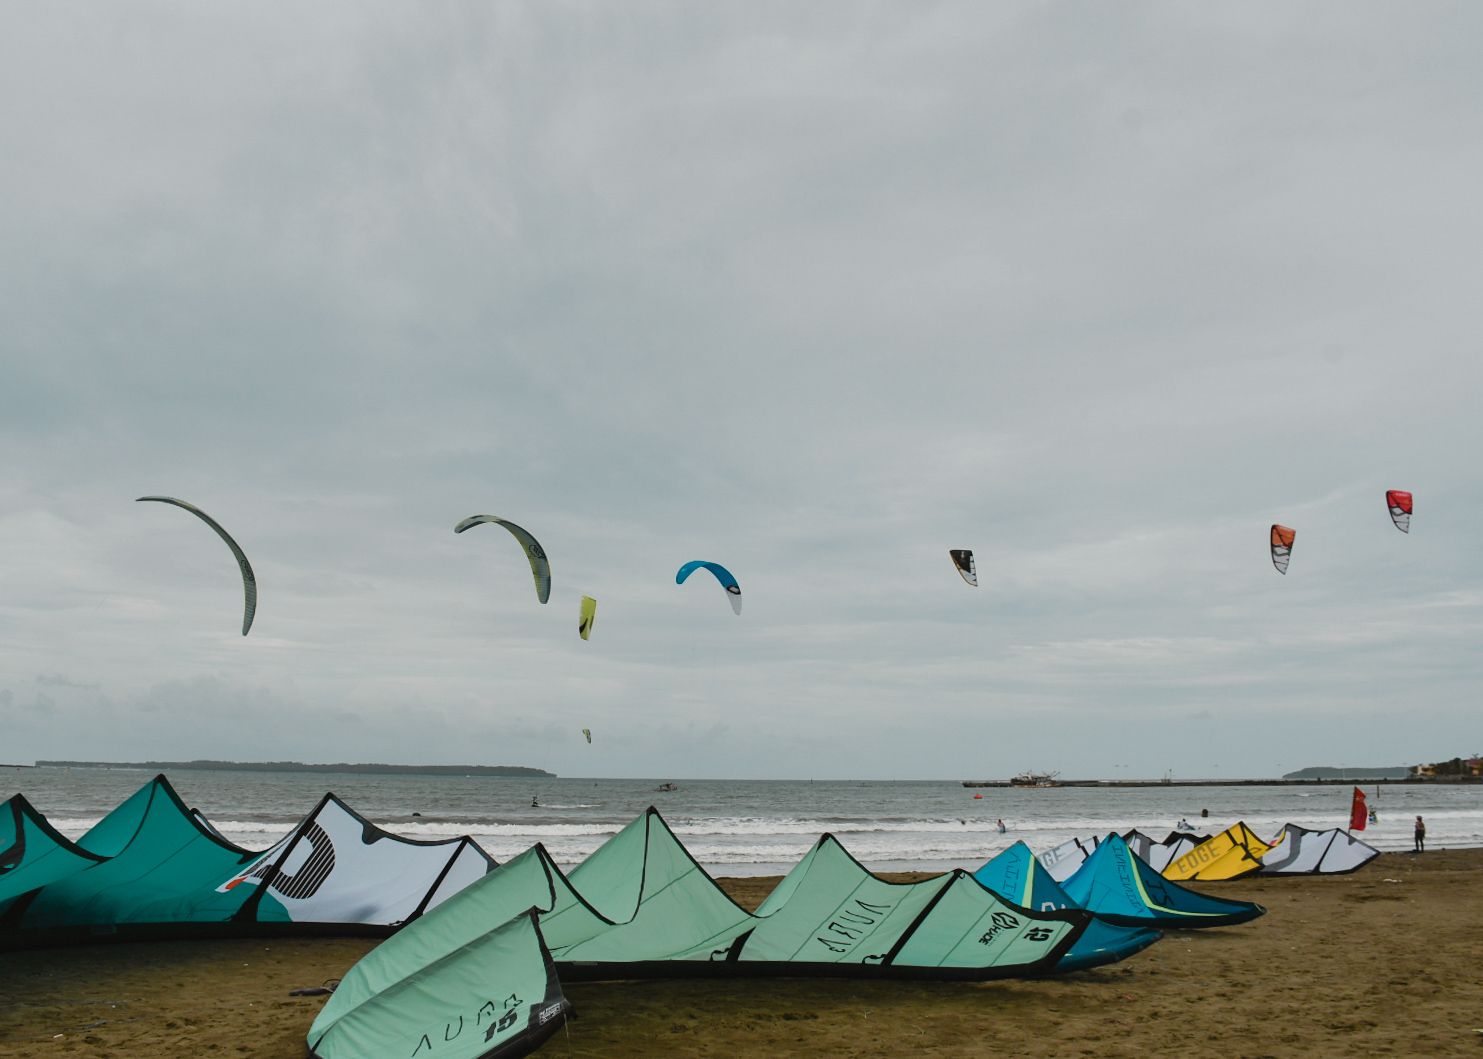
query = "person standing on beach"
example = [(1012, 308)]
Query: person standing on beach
[(1420, 846)]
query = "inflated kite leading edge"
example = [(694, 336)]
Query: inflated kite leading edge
[(249, 581), (1399, 502), (723, 575), (540, 568)]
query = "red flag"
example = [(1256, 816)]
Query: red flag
[(1357, 813)]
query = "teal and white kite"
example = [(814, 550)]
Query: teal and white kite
[(723, 575)]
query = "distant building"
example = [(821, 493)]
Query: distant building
[(1458, 766)]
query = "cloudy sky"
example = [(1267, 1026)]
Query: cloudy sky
[(816, 291)]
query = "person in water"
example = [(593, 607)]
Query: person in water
[(1183, 825), (534, 804), (1420, 836), (1001, 827)]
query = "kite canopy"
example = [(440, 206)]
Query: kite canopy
[(1015, 875), (1117, 886), (585, 618), (641, 907), (336, 867), (33, 853), (1399, 502), (249, 581), (963, 561), (588, 733), (540, 568), (1157, 855), (162, 869), (723, 575), (153, 868), (499, 999), (1062, 861), (1235, 852), (1282, 539), (1298, 851)]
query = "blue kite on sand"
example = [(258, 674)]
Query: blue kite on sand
[(1115, 885)]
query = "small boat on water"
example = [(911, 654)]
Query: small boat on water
[(666, 787), (1034, 779)]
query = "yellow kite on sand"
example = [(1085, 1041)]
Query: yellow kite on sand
[(1235, 852)]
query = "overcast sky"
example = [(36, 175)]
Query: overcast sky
[(817, 291)]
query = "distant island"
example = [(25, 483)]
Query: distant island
[(1325, 772), (299, 766)]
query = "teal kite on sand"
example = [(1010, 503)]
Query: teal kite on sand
[(33, 853), (505, 1001), (1117, 886), (161, 869), (153, 868), (1015, 875), (641, 907)]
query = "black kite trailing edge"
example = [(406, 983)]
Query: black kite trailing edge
[(963, 561), (1282, 539)]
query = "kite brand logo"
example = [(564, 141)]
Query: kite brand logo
[(549, 1012), (304, 880), (501, 1016), (1001, 921), (1038, 934), (1199, 855), (850, 925)]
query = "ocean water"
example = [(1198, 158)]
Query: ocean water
[(750, 827)]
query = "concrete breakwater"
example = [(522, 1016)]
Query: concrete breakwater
[(1329, 781)]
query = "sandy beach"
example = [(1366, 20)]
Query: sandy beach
[(1378, 963)]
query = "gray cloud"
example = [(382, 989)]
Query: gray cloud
[(57, 680), (819, 293)]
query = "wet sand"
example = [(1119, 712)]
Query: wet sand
[(1383, 962)]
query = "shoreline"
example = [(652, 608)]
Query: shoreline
[(1374, 963)]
